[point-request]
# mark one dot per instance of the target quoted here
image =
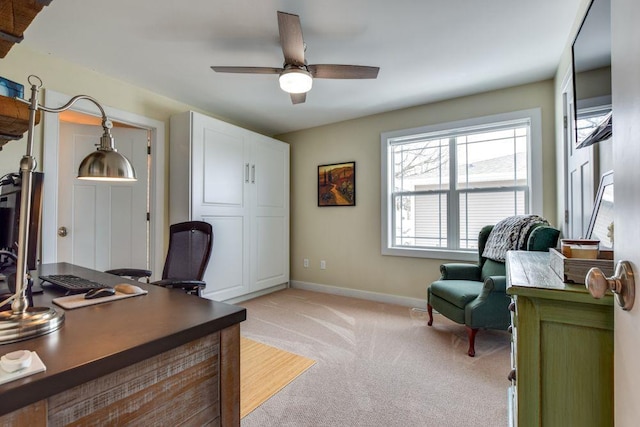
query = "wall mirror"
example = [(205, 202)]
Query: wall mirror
[(591, 53), (601, 224)]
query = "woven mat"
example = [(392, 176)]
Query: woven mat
[(264, 371)]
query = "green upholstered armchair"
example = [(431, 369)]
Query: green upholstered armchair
[(474, 295)]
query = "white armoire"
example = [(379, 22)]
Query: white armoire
[(238, 181)]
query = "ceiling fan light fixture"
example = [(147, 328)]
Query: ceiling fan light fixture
[(295, 80), (296, 75)]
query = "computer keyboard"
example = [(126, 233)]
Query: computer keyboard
[(72, 283)]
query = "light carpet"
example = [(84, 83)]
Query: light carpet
[(264, 371), (377, 365)]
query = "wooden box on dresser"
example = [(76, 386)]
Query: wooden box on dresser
[(562, 348), (238, 181)]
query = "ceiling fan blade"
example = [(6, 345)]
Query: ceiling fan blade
[(332, 71), (249, 70), (291, 38), (298, 98)]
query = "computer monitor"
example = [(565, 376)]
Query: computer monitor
[(10, 193)]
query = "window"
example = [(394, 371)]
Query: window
[(441, 184)]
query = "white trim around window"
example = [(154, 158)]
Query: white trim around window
[(534, 175)]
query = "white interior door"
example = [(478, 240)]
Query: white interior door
[(105, 222), (626, 158)]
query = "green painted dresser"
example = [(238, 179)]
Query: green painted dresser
[(562, 348)]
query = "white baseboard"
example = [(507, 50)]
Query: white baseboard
[(355, 293), (256, 294)]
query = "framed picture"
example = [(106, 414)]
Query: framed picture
[(337, 184)]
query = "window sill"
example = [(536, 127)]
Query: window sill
[(442, 254)]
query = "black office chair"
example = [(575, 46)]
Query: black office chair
[(187, 258)]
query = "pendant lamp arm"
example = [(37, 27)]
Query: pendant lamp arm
[(106, 142), (73, 101)]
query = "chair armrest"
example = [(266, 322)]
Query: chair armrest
[(460, 271), (134, 273), (495, 284), (490, 308), (180, 283)]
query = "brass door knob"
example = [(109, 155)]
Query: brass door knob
[(622, 284), (62, 231)]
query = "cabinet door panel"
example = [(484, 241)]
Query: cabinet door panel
[(227, 273), (271, 255), (585, 355), (223, 168), (271, 174)]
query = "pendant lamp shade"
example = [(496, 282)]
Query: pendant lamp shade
[(107, 165)]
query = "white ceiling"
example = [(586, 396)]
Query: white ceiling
[(427, 50)]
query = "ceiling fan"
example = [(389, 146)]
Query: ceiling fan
[(296, 76)]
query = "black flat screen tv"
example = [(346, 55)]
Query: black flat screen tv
[(10, 193), (591, 54)]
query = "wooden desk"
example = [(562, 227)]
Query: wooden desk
[(562, 348), (161, 358)]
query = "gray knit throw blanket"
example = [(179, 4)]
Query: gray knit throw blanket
[(510, 234)]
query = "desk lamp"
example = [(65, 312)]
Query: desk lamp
[(22, 321)]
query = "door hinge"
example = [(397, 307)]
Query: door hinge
[(148, 150), (148, 216), (565, 121), (566, 216)]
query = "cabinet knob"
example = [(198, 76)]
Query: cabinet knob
[(512, 375), (510, 329), (512, 306), (622, 284)]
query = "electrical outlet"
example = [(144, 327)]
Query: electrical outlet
[(306, 263), (323, 264)]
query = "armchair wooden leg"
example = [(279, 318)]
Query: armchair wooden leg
[(471, 332), (430, 312)]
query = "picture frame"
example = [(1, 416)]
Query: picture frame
[(337, 184), (601, 223)]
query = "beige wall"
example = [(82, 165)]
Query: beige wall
[(71, 79), (348, 238), (67, 78)]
